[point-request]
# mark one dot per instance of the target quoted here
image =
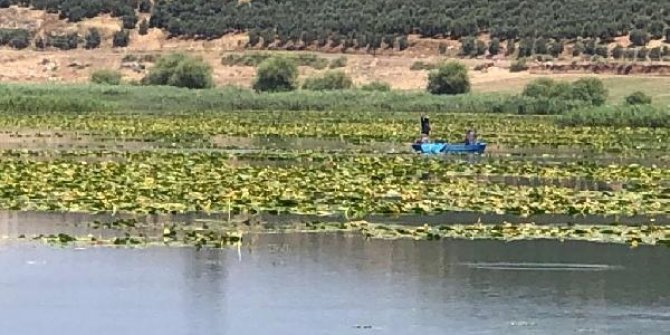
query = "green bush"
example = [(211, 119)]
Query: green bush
[(518, 65), (92, 39), (331, 80), (180, 70), (106, 77), (144, 27), (338, 62), (121, 39), (638, 98), (450, 78), (379, 86), (591, 90), (277, 74)]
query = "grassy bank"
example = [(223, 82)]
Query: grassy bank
[(618, 116), (83, 98)]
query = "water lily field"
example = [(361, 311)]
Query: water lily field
[(337, 166)]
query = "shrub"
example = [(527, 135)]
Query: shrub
[(331, 80), (121, 39), (180, 70), (587, 90), (590, 90), (376, 86), (618, 51), (450, 78), (106, 77), (518, 65), (338, 62), (92, 39), (639, 37), (421, 65), (15, 38), (276, 74), (494, 46), (144, 6), (538, 88), (64, 42), (129, 21), (638, 98), (144, 27), (402, 43)]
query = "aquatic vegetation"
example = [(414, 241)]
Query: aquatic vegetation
[(631, 235), (144, 236), (325, 184), (206, 129), (222, 234)]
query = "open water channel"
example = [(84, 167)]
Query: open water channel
[(337, 284)]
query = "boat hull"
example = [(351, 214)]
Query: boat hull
[(437, 148)]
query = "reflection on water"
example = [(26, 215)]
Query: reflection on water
[(334, 284)]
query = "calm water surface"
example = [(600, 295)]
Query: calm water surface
[(334, 284)]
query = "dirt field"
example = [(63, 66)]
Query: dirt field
[(389, 66)]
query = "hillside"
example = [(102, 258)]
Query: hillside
[(64, 40)]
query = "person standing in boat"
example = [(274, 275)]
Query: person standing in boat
[(425, 127), (470, 137)]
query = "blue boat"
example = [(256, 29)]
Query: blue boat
[(438, 148)]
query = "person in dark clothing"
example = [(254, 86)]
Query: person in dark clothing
[(425, 124)]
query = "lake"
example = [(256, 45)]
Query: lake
[(337, 284)]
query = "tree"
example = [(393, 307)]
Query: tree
[(276, 74), (92, 39), (268, 35), (450, 78), (121, 39), (494, 46), (389, 40), (525, 48), (639, 37), (602, 51), (656, 29), (590, 46), (638, 98), (331, 80), (129, 21), (468, 46), (618, 51), (144, 27), (145, 6), (541, 46), (538, 88), (642, 53), (40, 43), (667, 35), (180, 70), (556, 48), (510, 47), (655, 53), (402, 43), (480, 48), (578, 48), (591, 90)]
